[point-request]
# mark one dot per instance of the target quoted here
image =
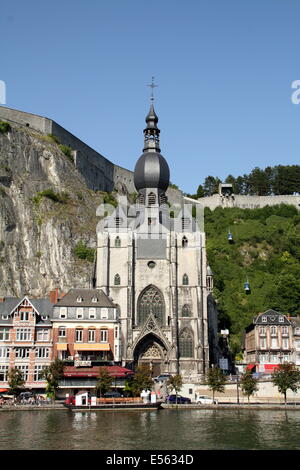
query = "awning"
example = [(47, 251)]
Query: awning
[(250, 366), (92, 347), (114, 371), (3, 390), (270, 367), (62, 347)]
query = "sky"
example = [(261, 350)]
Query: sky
[(224, 70)]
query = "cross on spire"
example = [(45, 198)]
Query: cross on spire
[(152, 86)]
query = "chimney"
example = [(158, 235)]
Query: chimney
[(53, 296)]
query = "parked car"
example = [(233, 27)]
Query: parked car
[(162, 378), (26, 395), (112, 394), (206, 400), (180, 399)]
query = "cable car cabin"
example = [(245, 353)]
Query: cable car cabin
[(230, 237), (247, 288)]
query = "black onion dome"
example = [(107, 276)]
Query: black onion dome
[(151, 171)]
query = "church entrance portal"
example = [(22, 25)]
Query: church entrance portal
[(151, 351)]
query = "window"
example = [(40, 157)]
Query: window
[(42, 353), (284, 330), (150, 302), (104, 313), (24, 316), (281, 319), (22, 353), (273, 330), (262, 330), (92, 336), (103, 336), (79, 334), (24, 370), (63, 312), (118, 221), (116, 350), (264, 319), (185, 221), (274, 343), (186, 343), (38, 372), (3, 373), (4, 353), (79, 299), (262, 343), (184, 242), (186, 311), (62, 332), (151, 199), (297, 330), (4, 334), (23, 334), (94, 300), (92, 313), (117, 242), (185, 280), (79, 313), (117, 280), (43, 334), (285, 343), (116, 332)]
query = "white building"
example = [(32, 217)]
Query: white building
[(153, 266)]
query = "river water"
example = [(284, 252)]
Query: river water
[(150, 430)]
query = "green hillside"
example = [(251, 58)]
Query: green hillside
[(266, 250)]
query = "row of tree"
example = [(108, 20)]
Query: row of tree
[(277, 180)]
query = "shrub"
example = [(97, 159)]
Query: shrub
[(50, 194), (84, 252), (67, 151), (4, 127)]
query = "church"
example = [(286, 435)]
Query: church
[(151, 262)]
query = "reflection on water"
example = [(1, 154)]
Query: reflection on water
[(157, 430)]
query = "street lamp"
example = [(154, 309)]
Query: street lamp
[(237, 387)]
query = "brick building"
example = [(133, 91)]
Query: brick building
[(25, 339)]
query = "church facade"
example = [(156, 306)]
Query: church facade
[(151, 261)]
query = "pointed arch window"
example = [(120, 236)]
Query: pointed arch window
[(151, 199), (185, 280), (151, 301), (117, 242), (117, 280), (184, 242), (186, 343), (186, 311)]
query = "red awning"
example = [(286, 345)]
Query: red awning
[(250, 366), (114, 371), (270, 367), (3, 390)]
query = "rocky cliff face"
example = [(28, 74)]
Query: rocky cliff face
[(46, 209)]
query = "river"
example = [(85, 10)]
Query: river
[(150, 430)]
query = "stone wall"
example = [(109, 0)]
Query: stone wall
[(248, 202)]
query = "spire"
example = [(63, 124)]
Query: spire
[(151, 133)]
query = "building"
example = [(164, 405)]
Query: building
[(86, 328), (25, 339), (152, 263), (269, 341)]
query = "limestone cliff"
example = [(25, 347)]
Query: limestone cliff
[(46, 209)]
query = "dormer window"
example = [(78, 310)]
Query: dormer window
[(79, 299), (264, 319), (281, 319), (24, 316), (4, 317), (44, 317), (94, 299)]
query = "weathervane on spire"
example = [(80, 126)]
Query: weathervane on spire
[(152, 86)]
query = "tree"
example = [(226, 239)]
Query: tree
[(53, 373), (142, 380), (15, 380), (211, 185), (200, 191), (104, 381), (285, 377), (248, 384), (175, 383), (215, 379)]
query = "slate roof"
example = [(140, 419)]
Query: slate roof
[(70, 299), (43, 306), (272, 318)]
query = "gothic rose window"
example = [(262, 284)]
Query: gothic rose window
[(186, 343), (151, 301)]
